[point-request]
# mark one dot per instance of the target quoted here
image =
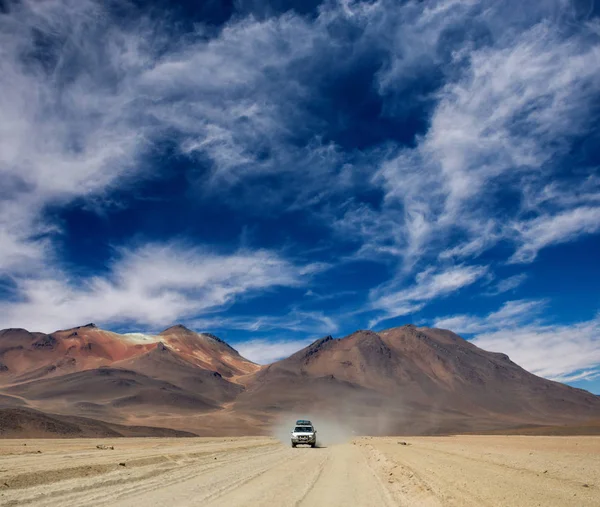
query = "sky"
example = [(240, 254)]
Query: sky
[(275, 171)]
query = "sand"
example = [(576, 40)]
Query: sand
[(251, 471)]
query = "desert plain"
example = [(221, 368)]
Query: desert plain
[(468, 470), (93, 418)]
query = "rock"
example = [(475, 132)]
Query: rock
[(47, 342), (104, 447), (122, 464), (586, 485), (403, 443)]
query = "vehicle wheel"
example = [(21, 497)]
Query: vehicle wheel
[(293, 445), (313, 445)]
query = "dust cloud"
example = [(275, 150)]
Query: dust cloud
[(330, 431), (339, 421)]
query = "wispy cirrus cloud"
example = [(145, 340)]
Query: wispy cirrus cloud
[(506, 285), (429, 285), (63, 132), (536, 234), (152, 285), (495, 103), (512, 107), (86, 99), (294, 322), (511, 314), (490, 133)]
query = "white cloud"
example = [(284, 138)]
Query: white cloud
[(559, 352), (511, 314), (544, 231), (296, 321), (155, 285), (65, 132), (267, 351), (485, 171), (555, 352), (507, 284), (429, 285), (78, 120)]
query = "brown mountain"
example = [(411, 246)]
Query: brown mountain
[(89, 372), (27, 356), (410, 379), (401, 380)]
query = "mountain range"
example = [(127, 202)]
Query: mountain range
[(405, 380)]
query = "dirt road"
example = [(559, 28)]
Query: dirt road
[(444, 471)]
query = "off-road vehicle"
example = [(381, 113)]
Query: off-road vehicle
[(304, 433)]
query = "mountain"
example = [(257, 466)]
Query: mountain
[(28, 356), (86, 371), (416, 380), (400, 380)]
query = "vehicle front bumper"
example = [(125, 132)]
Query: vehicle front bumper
[(301, 439)]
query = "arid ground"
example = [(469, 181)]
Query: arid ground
[(248, 471)]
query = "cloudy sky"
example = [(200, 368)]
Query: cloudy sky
[(274, 171)]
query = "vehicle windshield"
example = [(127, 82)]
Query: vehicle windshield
[(303, 429)]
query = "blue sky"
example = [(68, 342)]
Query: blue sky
[(276, 171)]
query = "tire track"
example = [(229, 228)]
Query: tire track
[(370, 472), (107, 487)]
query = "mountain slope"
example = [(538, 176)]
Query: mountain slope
[(207, 351), (27, 423), (413, 380), (400, 380), (28, 356), (111, 394), (165, 364), (480, 380), (89, 372)]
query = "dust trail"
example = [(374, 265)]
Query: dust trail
[(330, 431)]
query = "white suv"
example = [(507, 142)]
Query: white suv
[(304, 433)]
